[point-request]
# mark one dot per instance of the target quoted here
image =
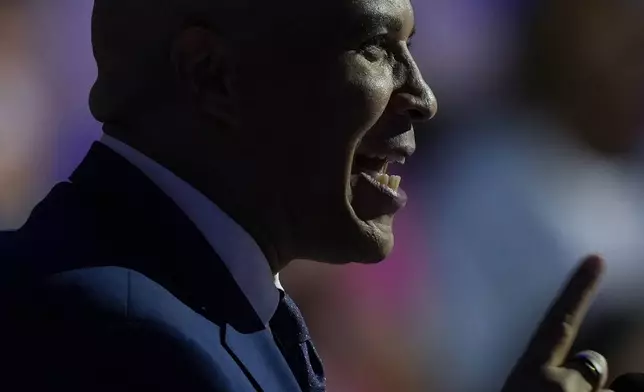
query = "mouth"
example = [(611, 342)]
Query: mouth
[(374, 167), (376, 192)]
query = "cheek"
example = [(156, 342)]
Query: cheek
[(367, 89), (315, 117)]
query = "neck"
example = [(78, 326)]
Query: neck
[(225, 175)]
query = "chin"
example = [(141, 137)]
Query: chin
[(376, 254), (369, 252), (377, 240), (361, 242), (350, 240)]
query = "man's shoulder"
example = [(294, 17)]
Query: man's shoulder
[(101, 295), (108, 303), (109, 319)]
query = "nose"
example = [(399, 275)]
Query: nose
[(415, 99)]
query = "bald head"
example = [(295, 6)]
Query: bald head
[(132, 42)]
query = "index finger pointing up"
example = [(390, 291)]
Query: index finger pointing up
[(556, 333)]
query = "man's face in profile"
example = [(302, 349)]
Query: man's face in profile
[(328, 94)]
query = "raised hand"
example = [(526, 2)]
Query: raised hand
[(543, 367)]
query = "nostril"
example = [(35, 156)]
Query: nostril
[(415, 107)]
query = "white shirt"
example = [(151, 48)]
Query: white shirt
[(236, 248)]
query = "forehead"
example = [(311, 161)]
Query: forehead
[(383, 10), (337, 15)]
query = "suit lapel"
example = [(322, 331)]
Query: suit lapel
[(258, 354), (142, 229)]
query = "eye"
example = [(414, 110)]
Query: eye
[(375, 49)]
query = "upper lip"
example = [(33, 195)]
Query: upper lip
[(396, 149), (394, 156)]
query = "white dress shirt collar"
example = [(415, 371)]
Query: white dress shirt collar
[(236, 248)]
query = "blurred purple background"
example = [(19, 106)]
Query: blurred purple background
[(534, 160)]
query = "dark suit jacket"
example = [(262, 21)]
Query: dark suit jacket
[(109, 286)]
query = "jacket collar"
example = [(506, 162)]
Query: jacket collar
[(143, 229)]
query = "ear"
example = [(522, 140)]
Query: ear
[(204, 65)]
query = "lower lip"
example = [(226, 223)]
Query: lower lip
[(372, 199)]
